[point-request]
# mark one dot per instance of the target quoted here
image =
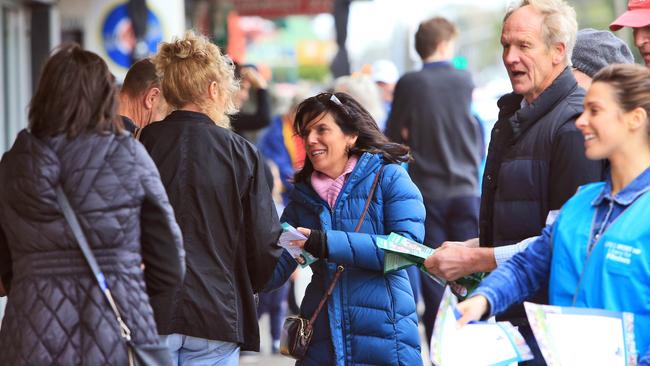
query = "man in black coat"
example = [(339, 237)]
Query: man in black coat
[(536, 159), (431, 114)]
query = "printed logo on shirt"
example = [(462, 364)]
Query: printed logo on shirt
[(621, 253)]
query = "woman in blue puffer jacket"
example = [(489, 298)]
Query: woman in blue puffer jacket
[(370, 318)]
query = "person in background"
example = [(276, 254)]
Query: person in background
[(370, 317), (595, 50), (536, 158), (637, 17), (247, 123), (384, 73), (141, 98), (431, 114), (56, 312), (576, 253), (284, 147), (360, 87), (216, 184)]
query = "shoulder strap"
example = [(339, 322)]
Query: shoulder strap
[(340, 268), (71, 218), (369, 200)]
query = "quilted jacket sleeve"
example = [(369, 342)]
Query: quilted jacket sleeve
[(5, 263), (286, 264), (403, 213), (161, 240)]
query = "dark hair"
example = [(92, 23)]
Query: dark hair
[(353, 119), (140, 78), (431, 32), (631, 84), (76, 93)]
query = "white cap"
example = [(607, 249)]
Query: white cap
[(384, 71)]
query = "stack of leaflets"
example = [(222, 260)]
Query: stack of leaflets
[(401, 252), (490, 343), (580, 336), (289, 233)]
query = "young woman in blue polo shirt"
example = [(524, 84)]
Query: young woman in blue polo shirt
[(596, 254)]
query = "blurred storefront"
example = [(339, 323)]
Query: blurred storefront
[(20, 55), (31, 29)]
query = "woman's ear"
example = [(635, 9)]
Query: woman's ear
[(213, 91), (353, 140), (637, 118)]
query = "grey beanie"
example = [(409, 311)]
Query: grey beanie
[(596, 49)]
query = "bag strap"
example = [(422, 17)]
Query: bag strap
[(340, 268), (71, 218)]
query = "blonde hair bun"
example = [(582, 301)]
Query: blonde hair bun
[(188, 66)]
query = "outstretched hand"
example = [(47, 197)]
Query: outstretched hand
[(472, 309), (451, 261)]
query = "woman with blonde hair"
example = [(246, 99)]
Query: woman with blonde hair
[(216, 184)]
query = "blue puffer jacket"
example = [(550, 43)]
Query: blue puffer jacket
[(370, 317)]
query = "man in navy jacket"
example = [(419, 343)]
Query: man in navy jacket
[(536, 158)]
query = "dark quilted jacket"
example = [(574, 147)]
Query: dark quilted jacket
[(56, 314)]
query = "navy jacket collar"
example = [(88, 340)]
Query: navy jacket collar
[(523, 118)]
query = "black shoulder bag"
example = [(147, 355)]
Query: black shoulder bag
[(297, 331), (139, 355)]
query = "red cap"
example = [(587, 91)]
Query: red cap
[(636, 16)]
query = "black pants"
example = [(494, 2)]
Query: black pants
[(454, 219)]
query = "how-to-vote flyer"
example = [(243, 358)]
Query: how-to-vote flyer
[(477, 343), (579, 336)]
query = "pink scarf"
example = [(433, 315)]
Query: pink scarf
[(327, 188)]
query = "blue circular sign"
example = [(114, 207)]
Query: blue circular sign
[(119, 38)]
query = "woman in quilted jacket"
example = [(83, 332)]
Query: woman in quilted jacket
[(370, 317), (56, 313)]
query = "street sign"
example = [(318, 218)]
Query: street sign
[(280, 8)]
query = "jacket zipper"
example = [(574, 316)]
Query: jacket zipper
[(342, 320), (590, 249)]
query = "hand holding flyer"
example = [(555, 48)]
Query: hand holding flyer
[(491, 343), (289, 234), (401, 252)]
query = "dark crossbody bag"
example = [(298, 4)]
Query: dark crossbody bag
[(297, 331), (139, 355)]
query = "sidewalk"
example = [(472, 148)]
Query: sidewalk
[(267, 359)]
